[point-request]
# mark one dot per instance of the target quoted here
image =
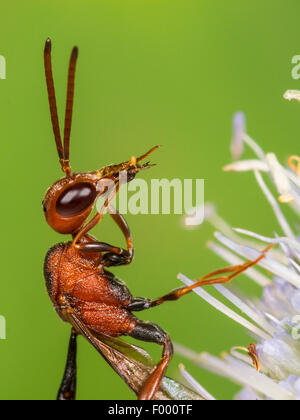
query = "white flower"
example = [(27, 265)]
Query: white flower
[(273, 321)]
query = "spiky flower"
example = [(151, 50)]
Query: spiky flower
[(271, 368)]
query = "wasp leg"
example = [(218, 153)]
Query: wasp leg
[(114, 259), (146, 331), (123, 225), (140, 304), (115, 256), (67, 390)]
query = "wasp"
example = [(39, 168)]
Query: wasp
[(84, 293)]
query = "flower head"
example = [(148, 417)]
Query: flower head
[(269, 369)]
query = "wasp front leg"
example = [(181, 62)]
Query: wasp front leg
[(126, 257), (115, 256)]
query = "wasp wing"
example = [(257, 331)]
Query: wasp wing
[(131, 363)]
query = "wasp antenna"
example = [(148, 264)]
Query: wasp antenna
[(52, 98), (48, 45), (69, 104), (74, 54)]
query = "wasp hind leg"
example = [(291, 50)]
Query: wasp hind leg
[(67, 390), (222, 276), (149, 332)]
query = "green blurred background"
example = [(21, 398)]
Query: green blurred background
[(168, 72)]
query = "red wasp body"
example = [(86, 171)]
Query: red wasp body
[(84, 293)]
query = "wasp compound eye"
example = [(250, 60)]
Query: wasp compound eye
[(76, 199)]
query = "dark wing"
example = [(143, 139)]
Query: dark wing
[(131, 363)]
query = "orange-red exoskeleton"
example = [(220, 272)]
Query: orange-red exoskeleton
[(84, 293)]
